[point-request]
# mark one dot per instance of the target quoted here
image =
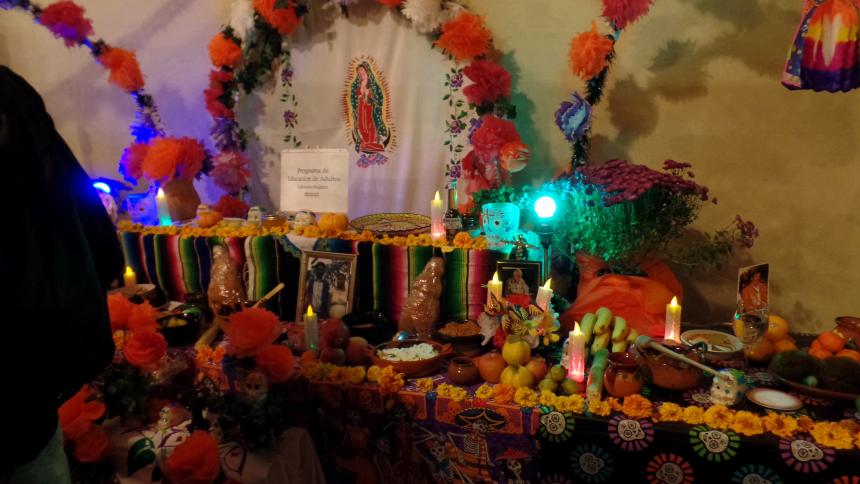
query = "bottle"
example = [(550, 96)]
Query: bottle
[(453, 221)]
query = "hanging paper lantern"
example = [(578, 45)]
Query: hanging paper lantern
[(574, 117)]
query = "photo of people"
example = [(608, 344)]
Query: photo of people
[(326, 285), (753, 288), (520, 280)]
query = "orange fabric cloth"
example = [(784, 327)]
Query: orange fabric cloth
[(640, 300)]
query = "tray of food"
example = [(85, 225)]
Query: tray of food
[(392, 224), (833, 378), (412, 357)]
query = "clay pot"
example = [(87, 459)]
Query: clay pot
[(462, 371), (849, 326), (669, 373), (491, 366), (182, 199), (623, 376)]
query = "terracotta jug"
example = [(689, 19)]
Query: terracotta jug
[(491, 366)]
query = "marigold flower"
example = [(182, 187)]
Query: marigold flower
[(424, 384), (747, 423), (780, 425), (693, 415), (373, 374), (719, 417), (526, 397), (484, 392), (504, 393), (670, 412), (599, 407), (636, 406), (832, 434)]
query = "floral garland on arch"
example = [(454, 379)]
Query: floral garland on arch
[(254, 46)]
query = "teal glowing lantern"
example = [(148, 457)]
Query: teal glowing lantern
[(545, 209)]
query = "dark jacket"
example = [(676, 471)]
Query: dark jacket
[(58, 254)]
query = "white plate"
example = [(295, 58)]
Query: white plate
[(774, 399)]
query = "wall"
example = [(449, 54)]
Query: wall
[(696, 80)]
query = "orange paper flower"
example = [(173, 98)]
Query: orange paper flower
[(284, 20), (231, 207), (504, 393), (276, 361), (169, 158), (131, 163), (251, 331), (465, 37), (747, 423), (78, 413), (144, 349), (142, 317), (636, 406), (588, 53), (119, 309), (194, 461), (92, 446), (224, 51), (124, 69)]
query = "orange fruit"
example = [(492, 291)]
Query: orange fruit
[(853, 354), (821, 354), (784, 345), (816, 345), (831, 341), (761, 351), (777, 328)]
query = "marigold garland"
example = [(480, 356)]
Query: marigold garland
[(453, 392), (424, 384), (390, 381), (719, 417), (526, 397), (124, 69), (693, 415), (484, 392), (636, 406), (373, 373), (504, 393), (747, 423), (599, 407), (224, 51), (589, 52), (780, 425), (465, 37), (669, 412), (832, 434)]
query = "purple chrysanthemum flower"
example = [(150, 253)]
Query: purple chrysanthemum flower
[(748, 231), (225, 135), (573, 117)]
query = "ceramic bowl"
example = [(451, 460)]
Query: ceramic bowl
[(720, 346), (411, 369)]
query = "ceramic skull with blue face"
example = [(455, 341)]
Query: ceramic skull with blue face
[(729, 387)]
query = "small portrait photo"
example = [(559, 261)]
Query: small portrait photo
[(753, 293), (520, 280), (327, 284)]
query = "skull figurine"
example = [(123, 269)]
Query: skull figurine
[(255, 385), (728, 388)]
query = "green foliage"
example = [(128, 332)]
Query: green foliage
[(255, 425), (125, 389)]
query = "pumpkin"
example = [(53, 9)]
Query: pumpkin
[(333, 222), (208, 219)]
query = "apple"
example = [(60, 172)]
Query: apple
[(557, 373), (333, 333), (355, 351), (548, 384), (335, 356), (538, 367), (569, 387)]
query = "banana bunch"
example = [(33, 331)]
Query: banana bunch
[(603, 330)]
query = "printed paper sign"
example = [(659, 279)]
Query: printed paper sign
[(315, 180)]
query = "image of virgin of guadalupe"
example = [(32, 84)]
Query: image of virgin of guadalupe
[(369, 132)]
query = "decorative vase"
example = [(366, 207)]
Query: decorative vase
[(182, 199)]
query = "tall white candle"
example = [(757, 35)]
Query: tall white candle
[(673, 320), (576, 354), (161, 206), (437, 215), (544, 295), (494, 288), (312, 334)]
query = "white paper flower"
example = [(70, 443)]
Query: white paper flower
[(425, 15), (242, 18), (451, 10)]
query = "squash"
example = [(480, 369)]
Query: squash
[(208, 219), (333, 222)]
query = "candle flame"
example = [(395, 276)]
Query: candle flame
[(674, 302), (160, 193), (496, 276), (310, 311), (548, 284), (436, 198), (128, 271), (576, 330)]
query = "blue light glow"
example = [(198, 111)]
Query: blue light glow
[(102, 187), (545, 207)]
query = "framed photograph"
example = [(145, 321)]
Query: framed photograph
[(326, 283), (520, 280), (753, 288)]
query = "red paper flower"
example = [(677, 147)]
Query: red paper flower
[(144, 348), (65, 19), (250, 331), (78, 413), (119, 309), (131, 163), (625, 12), (168, 158), (92, 446), (494, 132), (390, 3), (230, 171), (588, 52), (231, 207), (195, 461), (283, 19), (124, 69), (212, 95), (224, 51), (491, 82), (142, 318), (465, 37), (276, 361)]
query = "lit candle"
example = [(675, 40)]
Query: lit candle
[(129, 279), (544, 295), (161, 205), (576, 354), (673, 320), (494, 288), (437, 223), (311, 330)]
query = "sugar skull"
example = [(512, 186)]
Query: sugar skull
[(715, 441), (255, 385), (554, 422), (728, 388)]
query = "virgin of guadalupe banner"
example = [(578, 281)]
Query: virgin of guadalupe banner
[(368, 83)]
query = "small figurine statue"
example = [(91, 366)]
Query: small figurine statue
[(421, 309), (729, 388), (303, 219), (226, 291), (255, 215)]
